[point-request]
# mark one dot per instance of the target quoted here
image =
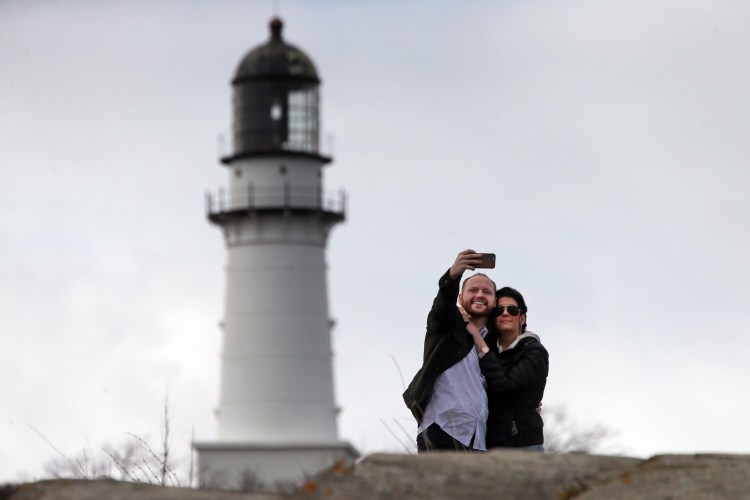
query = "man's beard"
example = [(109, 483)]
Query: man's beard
[(466, 304)]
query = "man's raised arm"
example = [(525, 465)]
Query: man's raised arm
[(443, 312)]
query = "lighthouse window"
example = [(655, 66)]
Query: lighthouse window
[(303, 120), (282, 169)]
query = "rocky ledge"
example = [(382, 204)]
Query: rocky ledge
[(507, 474)]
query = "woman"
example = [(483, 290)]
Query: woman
[(515, 370)]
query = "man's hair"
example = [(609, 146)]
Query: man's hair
[(474, 276), (514, 294)]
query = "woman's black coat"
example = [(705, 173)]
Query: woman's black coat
[(515, 385)]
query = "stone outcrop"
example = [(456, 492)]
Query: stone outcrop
[(103, 489), (515, 474), (507, 474)]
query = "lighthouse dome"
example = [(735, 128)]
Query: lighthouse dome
[(276, 101), (276, 59)]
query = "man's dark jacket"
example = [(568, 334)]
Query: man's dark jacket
[(515, 385), (446, 343)]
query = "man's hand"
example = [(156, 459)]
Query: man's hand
[(466, 260)]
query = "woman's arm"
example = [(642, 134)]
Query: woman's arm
[(479, 342), (524, 373)]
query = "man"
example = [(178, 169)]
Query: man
[(447, 395), (515, 370)]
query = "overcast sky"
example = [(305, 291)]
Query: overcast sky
[(599, 148)]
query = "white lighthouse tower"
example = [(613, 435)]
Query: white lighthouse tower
[(277, 413)]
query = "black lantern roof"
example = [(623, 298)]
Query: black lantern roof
[(275, 60)]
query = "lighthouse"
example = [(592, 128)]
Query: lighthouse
[(277, 414)]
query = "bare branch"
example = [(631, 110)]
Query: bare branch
[(406, 448)]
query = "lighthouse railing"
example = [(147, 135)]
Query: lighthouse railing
[(276, 197)]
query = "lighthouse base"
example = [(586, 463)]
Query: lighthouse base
[(267, 466)]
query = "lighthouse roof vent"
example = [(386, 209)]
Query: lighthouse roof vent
[(276, 60)]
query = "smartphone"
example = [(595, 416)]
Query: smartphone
[(488, 261)]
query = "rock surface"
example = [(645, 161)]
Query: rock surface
[(102, 489), (507, 474), (514, 474)]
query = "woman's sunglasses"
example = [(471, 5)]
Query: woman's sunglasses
[(512, 310)]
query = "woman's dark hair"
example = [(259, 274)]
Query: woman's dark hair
[(514, 294)]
